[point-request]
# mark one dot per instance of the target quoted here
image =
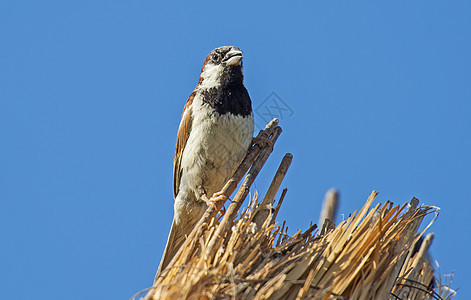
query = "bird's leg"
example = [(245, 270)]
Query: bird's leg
[(217, 197), (204, 197), (220, 197), (262, 141)]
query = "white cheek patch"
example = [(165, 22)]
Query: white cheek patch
[(211, 76)]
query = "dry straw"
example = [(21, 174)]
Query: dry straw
[(246, 254)]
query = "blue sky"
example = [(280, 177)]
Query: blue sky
[(91, 94)]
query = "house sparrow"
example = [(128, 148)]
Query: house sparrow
[(215, 133)]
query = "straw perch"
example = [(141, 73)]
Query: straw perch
[(246, 254)]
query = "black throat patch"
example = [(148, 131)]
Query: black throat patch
[(231, 96)]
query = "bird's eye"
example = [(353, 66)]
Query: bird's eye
[(215, 57)]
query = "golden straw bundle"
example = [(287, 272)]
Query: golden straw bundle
[(248, 255)]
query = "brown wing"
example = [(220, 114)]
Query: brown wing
[(182, 138)]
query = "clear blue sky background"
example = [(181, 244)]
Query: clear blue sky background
[(91, 94)]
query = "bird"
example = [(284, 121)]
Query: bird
[(215, 133)]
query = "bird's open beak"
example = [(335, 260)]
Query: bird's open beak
[(233, 58)]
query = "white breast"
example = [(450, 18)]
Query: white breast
[(216, 146)]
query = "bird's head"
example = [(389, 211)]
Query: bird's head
[(222, 66)]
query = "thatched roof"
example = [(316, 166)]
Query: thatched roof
[(247, 254)]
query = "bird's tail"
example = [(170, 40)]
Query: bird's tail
[(176, 237)]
